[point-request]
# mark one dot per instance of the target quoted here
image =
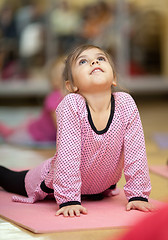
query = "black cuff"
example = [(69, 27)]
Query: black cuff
[(69, 203), (113, 186), (138, 199), (46, 189)]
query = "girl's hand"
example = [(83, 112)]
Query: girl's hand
[(72, 211), (140, 205)]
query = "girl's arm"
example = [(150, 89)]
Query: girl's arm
[(67, 176), (138, 187)]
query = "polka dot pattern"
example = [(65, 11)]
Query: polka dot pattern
[(89, 163)]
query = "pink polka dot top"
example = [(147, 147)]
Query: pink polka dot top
[(88, 161)]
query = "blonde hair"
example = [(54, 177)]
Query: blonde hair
[(55, 72)]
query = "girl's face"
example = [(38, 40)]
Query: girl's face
[(92, 72)]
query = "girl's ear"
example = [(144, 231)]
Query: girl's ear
[(114, 82), (70, 88)]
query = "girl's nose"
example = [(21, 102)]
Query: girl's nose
[(94, 62)]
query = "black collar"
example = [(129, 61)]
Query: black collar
[(109, 121)]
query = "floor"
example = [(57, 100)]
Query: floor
[(154, 116)]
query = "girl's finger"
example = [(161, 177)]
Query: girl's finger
[(71, 213), (58, 212), (83, 210), (128, 207), (144, 209), (65, 213), (152, 208), (77, 213)]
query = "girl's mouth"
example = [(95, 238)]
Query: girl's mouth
[(96, 70)]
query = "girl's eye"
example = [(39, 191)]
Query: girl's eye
[(101, 59), (82, 61)]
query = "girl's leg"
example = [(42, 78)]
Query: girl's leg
[(13, 181)]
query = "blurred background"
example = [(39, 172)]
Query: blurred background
[(33, 32)]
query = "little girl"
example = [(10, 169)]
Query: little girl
[(99, 134), (40, 131)]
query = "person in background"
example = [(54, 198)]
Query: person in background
[(40, 131), (65, 23)]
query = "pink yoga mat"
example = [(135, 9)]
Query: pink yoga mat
[(40, 217), (160, 170)]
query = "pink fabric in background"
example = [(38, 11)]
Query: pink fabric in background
[(160, 170), (43, 129), (40, 217)]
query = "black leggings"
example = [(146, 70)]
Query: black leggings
[(13, 181)]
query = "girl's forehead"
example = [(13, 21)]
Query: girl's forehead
[(90, 51)]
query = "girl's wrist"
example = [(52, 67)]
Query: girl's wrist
[(69, 203), (138, 199)]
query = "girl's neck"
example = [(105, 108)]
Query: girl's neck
[(98, 102)]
